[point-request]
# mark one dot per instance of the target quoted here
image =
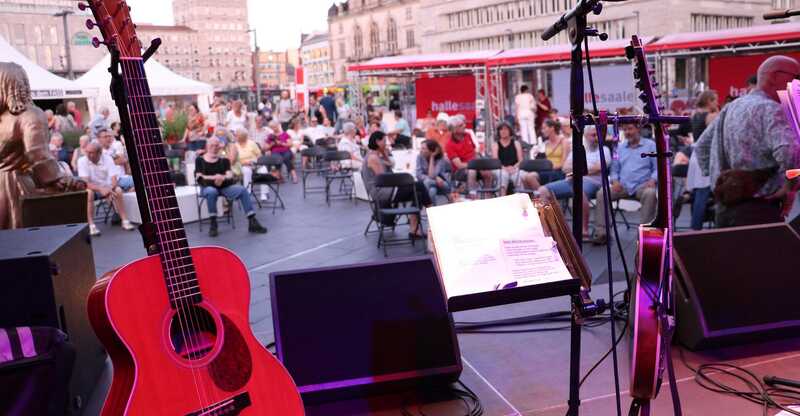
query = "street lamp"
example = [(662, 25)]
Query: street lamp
[(255, 67), (63, 14)]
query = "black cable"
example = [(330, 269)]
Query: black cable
[(607, 203), (755, 391), (471, 401)]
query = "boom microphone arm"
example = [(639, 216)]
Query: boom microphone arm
[(581, 9), (781, 14)]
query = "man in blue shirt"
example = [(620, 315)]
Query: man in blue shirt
[(329, 110), (632, 176)]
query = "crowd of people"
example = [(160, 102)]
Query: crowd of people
[(226, 144)]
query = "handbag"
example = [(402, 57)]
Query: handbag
[(734, 186)]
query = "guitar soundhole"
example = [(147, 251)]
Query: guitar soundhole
[(193, 333)]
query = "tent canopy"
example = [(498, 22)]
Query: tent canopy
[(409, 62), (44, 84), (729, 37), (561, 53), (163, 82)]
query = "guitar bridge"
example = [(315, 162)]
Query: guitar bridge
[(228, 407)]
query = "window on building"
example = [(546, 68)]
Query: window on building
[(409, 13), (358, 42), (410, 40), (707, 22), (19, 34), (391, 35), (374, 39)]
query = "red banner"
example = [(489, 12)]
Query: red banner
[(451, 95), (727, 75)]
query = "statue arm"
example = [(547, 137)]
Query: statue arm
[(46, 172)]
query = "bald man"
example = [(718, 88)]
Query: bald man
[(752, 139)]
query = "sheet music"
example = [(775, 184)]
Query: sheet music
[(493, 244)]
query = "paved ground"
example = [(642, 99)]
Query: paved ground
[(523, 373)]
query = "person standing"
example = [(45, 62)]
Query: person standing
[(237, 118), (526, 117), (76, 114), (748, 148), (543, 108), (286, 110), (697, 183), (328, 107), (99, 122)]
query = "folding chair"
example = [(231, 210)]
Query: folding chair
[(393, 182), (315, 166), (337, 172), (484, 165), (266, 179)]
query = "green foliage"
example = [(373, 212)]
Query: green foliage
[(72, 138), (173, 130)]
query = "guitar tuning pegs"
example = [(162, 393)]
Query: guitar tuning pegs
[(90, 24), (97, 42), (83, 6)]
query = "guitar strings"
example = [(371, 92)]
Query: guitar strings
[(132, 103)]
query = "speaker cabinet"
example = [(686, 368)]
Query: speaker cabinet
[(354, 330), (45, 275), (736, 285)]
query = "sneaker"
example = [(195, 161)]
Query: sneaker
[(93, 230), (127, 226), (254, 226), (212, 229), (264, 197)]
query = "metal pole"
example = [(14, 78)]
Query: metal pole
[(63, 15), (256, 62)]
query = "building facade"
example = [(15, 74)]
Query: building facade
[(274, 70), (364, 29), (179, 50), (31, 27), (466, 25), (315, 58), (221, 54)]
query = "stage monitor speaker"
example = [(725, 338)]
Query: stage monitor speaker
[(363, 329), (45, 275), (56, 209), (736, 285)]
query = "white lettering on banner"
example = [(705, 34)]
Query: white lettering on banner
[(614, 88), (451, 106)]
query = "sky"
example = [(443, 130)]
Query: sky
[(279, 23)]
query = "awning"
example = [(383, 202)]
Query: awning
[(782, 32), (456, 60), (561, 53)]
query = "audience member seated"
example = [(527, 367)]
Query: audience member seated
[(509, 152), (347, 143), (116, 150), (314, 131), (279, 143), (460, 149), (439, 132), (401, 126), (592, 182), (195, 128), (215, 177), (379, 161), (83, 141), (296, 134), (556, 148), (100, 174), (57, 149), (632, 176), (248, 152), (434, 170)]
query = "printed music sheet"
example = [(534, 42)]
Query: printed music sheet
[(493, 244)]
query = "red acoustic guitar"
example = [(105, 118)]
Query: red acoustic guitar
[(650, 290), (176, 323)]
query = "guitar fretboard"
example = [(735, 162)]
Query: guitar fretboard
[(176, 260)]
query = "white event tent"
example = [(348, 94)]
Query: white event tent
[(162, 81), (44, 84)]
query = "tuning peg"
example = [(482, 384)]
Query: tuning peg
[(90, 24), (97, 42), (643, 97), (83, 6)]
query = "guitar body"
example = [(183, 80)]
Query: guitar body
[(645, 324), (221, 369)]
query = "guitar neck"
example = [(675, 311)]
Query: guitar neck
[(664, 208), (155, 185)]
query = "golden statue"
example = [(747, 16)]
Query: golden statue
[(26, 165)]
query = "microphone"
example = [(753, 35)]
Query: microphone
[(792, 173), (781, 14), (772, 381), (583, 8)]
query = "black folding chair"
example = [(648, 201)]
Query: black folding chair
[(315, 165), (201, 200), (389, 214), (479, 165), (533, 166), (337, 172), (267, 163)]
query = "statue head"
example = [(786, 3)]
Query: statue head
[(15, 90)]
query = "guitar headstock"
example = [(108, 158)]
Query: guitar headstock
[(644, 76), (113, 19)]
